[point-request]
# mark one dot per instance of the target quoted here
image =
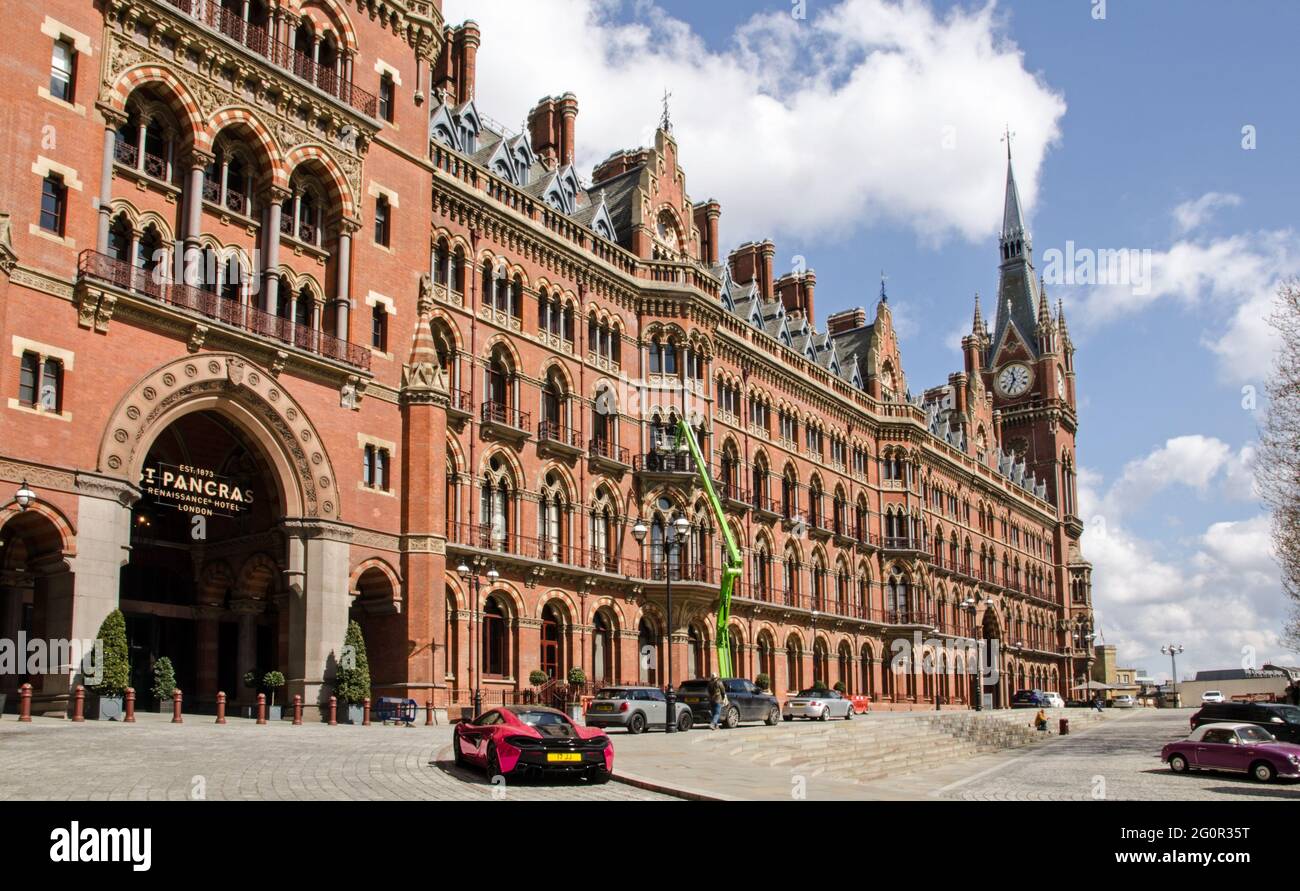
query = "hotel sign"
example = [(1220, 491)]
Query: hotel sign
[(196, 490)]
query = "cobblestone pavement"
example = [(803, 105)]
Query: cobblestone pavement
[(1117, 761), (153, 760)]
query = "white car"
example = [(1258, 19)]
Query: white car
[(1053, 700), (1124, 701), (817, 705), (1212, 696)]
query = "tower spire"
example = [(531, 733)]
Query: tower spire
[(977, 324)]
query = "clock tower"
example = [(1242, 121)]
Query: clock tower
[(1028, 366)]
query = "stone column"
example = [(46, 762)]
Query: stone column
[(112, 120), (343, 284), (275, 197), (318, 604), (208, 631)]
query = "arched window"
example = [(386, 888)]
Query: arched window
[(821, 664), (897, 600), (697, 652), (793, 665), (647, 642), (549, 658), (604, 532), (767, 658), (553, 520), (497, 506), (495, 638)]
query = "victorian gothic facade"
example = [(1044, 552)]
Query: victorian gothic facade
[(295, 334)]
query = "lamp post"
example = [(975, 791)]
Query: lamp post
[(471, 578), (676, 534), (969, 604), (1172, 651)]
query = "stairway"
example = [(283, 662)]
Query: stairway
[(878, 745)]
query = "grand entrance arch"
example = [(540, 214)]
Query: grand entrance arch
[(237, 560), (992, 663)]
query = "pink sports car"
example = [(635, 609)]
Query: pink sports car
[(532, 740), (1243, 748)]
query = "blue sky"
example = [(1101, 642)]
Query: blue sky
[(821, 132)]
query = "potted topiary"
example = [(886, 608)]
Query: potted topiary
[(537, 677), (273, 681), (839, 687), (164, 683), (577, 679), (115, 670), (763, 682), (352, 678)]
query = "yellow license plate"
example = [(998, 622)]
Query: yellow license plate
[(603, 707), (563, 756)]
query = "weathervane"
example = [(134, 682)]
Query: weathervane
[(1007, 136), (665, 120)]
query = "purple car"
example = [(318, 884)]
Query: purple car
[(1244, 748)]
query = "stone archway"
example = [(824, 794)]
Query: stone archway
[(247, 394)]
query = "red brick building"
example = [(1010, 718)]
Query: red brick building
[(292, 332)]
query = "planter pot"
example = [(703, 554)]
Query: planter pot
[(275, 713), (104, 708)]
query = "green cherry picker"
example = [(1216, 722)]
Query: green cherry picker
[(733, 562)]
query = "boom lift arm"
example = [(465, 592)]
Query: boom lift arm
[(734, 562)]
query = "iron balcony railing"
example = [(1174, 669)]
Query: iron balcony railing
[(603, 448), (496, 413), (145, 283), (257, 39), (664, 462), (554, 431)]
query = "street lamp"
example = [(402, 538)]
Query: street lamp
[(24, 496), (978, 696), (677, 533), (471, 578), (1172, 651)]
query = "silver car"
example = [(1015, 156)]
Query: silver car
[(635, 709), (820, 705)]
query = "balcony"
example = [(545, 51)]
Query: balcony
[(605, 455), (910, 618), (665, 467), (504, 422), (259, 42), (765, 507), (459, 406), (903, 543), (275, 330), (529, 551), (557, 439), (733, 497)]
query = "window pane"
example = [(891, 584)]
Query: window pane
[(51, 380), (61, 71), (27, 381)]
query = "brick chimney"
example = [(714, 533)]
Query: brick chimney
[(744, 262), (543, 132), (847, 320), (567, 109), (467, 41), (444, 70), (706, 220), (767, 253), (787, 289), (809, 286)]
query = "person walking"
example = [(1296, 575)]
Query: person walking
[(717, 699)]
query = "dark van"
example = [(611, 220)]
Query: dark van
[(1283, 721)]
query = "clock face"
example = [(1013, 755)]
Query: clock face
[(1014, 380), (1060, 386)]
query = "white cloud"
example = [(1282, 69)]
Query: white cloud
[(869, 110), (1193, 214), (1215, 594), (1232, 281)]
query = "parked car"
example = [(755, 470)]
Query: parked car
[(532, 739), (817, 705), (1212, 696), (1282, 721), (1123, 701), (634, 709), (745, 702), (1243, 748), (1053, 700), (1028, 699)]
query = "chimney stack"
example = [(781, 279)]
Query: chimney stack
[(468, 42), (848, 320), (787, 288), (809, 286), (767, 253), (542, 132), (706, 220), (455, 71), (568, 111)]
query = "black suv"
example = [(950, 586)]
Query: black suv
[(745, 702), (1283, 721)]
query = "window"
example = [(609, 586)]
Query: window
[(375, 471), (494, 639), (40, 383), (383, 221), (379, 327), (386, 91), (63, 70), (54, 200)]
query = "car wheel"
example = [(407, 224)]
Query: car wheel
[(493, 763), (685, 721), (1263, 771), (456, 754), (636, 724), (826, 713), (787, 717), (599, 776), (773, 714), (848, 715), (1178, 764), (731, 718)]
